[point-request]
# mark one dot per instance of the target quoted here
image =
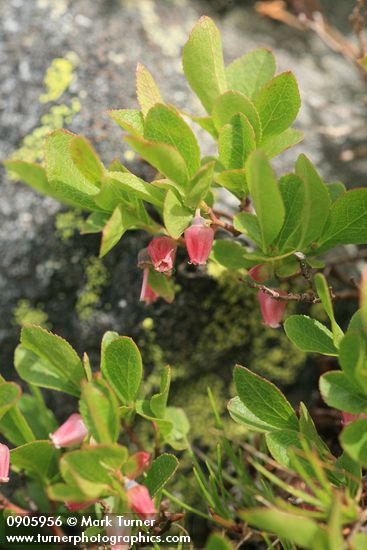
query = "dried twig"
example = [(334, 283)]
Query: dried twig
[(308, 16), (305, 297)]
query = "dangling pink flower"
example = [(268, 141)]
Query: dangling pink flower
[(271, 310), (71, 432), (76, 506), (347, 418), (137, 464), (139, 499), (147, 294), (199, 240), (162, 251), (260, 273), (4, 463)]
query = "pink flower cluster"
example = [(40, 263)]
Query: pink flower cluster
[(161, 253)]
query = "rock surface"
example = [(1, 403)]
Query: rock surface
[(109, 38)]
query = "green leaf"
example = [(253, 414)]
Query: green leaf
[(95, 222), (352, 475), (38, 459), (236, 141), (180, 428), (15, 428), (117, 166), (339, 392), (130, 120), (299, 529), (217, 542), (86, 160), (158, 402), (354, 441), (280, 442), (122, 183), (47, 360), (264, 400), (358, 541), (206, 123), (310, 335), (266, 197), (347, 221), (203, 64), (316, 202), (124, 217), (232, 103), (32, 174), (352, 359), (308, 429), (242, 414), (165, 426), (274, 145), (65, 493), (165, 158), (175, 215), (249, 73), (9, 395), (336, 189), (113, 231), (99, 409), (234, 181), (92, 469), (160, 472), (163, 124), (230, 254), (293, 192), (63, 175), (147, 91), (199, 185), (40, 419), (323, 291), (278, 104), (163, 286), (122, 367), (249, 225)]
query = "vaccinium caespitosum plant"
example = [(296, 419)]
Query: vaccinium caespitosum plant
[(289, 487)]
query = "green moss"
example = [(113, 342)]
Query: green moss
[(213, 326), (57, 79), (25, 314), (225, 328), (32, 146), (68, 223), (97, 278)]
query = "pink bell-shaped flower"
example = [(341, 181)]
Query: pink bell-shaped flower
[(147, 294), (260, 273), (4, 463), (271, 310), (199, 240), (137, 464), (162, 251), (70, 433), (139, 499)]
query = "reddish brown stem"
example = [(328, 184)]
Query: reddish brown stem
[(217, 221)]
